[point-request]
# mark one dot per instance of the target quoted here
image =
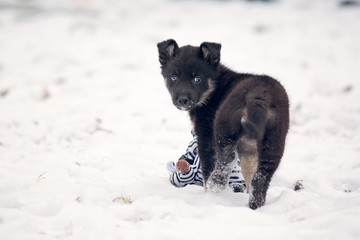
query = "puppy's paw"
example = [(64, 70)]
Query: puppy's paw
[(255, 203), (256, 198), (216, 182)]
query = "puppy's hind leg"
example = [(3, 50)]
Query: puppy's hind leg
[(226, 127), (269, 160), (220, 176), (270, 147)]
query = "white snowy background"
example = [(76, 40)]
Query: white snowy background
[(86, 121)]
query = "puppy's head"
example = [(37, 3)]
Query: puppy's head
[(190, 73)]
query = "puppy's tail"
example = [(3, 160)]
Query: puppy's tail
[(250, 129), (254, 119)]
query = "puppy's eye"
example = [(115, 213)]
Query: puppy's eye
[(197, 79), (174, 78)]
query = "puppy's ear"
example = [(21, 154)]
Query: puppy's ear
[(167, 49), (210, 52)]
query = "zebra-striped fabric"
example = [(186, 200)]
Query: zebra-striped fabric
[(194, 176)]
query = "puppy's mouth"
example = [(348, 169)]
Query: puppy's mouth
[(184, 108)]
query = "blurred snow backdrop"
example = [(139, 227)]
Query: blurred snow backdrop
[(86, 121)]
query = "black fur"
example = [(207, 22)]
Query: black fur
[(231, 112)]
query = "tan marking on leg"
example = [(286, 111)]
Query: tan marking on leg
[(248, 167)]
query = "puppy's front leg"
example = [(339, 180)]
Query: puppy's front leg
[(207, 157)]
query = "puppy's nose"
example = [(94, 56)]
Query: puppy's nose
[(183, 101)]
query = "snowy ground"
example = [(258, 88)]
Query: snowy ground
[(86, 119)]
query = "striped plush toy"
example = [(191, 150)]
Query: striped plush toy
[(188, 171)]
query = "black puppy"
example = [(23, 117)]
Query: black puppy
[(234, 115)]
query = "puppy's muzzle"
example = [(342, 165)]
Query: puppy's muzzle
[(184, 103)]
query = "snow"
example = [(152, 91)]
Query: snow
[(86, 119)]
